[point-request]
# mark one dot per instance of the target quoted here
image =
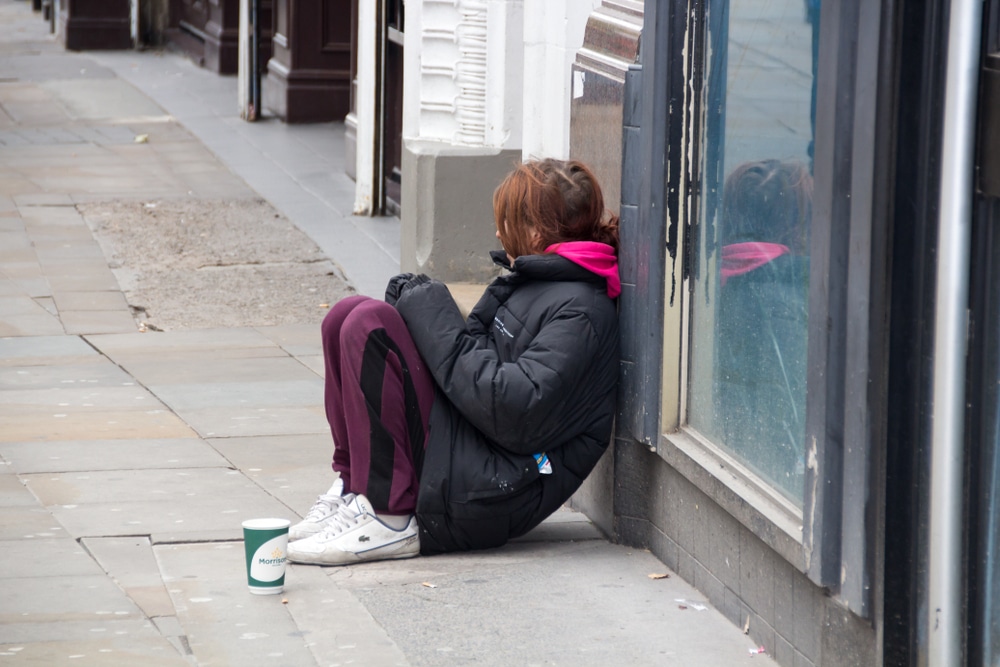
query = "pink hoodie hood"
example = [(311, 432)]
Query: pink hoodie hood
[(740, 258), (598, 258)]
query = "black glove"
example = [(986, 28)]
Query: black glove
[(399, 284)]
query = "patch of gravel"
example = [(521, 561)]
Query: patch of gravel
[(191, 263)]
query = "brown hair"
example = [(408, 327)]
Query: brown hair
[(768, 200), (551, 201)]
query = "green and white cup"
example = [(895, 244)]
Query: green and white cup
[(266, 545)]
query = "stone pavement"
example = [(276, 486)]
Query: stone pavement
[(129, 459)]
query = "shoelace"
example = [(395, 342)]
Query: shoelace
[(343, 518), (324, 506)]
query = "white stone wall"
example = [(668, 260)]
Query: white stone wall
[(491, 74), (517, 97), (553, 32), (463, 72)]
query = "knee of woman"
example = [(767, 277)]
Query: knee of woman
[(334, 320), (367, 316)]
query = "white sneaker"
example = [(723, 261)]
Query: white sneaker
[(354, 535), (322, 511)]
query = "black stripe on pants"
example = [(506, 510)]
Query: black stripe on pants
[(378, 347)]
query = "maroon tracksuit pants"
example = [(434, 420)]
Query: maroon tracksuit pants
[(378, 400)]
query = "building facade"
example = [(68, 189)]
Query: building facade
[(808, 406)]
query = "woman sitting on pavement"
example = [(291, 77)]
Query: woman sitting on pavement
[(453, 434)]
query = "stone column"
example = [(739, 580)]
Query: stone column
[(461, 132)]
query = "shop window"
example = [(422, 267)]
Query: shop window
[(749, 297), (772, 321)]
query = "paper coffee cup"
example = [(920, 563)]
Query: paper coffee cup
[(266, 544)]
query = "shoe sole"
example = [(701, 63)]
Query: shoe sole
[(349, 558)]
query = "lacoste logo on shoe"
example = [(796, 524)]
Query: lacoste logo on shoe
[(363, 538)]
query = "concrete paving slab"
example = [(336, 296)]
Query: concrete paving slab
[(92, 371), (314, 363), (129, 644), (92, 455), (41, 235), (24, 522), (16, 184), (20, 305), (43, 349), (83, 278), (355, 638), (9, 287), (250, 396), (11, 226), (111, 300), (15, 246), (24, 317), (214, 341), (12, 490), (432, 569), (225, 624), (38, 425), (295, 469), (194, 504), (231, 355), (42, 198), (32, 159), (566, 525), (49, 304), (73, 397), (43, 67), (297, 339), (84, 322), (56, 253), (28, 277), (63, 598), (154, 373), (64, 272), (613, 602), (60, 216), (46, 557), (42, 112), (223, 422), (132, 565)]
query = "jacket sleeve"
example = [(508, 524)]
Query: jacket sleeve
[(522, 405)]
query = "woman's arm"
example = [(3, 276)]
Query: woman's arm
[(525, 405)]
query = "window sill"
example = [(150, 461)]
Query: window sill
[(760, 509)]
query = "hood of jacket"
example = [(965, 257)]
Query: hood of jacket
[(596, 259)]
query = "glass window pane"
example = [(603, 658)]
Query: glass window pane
[(749, 298), (984, 440), (990, 577)]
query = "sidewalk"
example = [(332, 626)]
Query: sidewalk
[(128, 459)]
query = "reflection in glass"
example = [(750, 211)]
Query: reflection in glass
[(749, 307), (990, 577), (985, 441)]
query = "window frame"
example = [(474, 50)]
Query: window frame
[(846, 360)]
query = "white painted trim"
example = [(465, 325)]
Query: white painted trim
[(134, 22), (505, 71), (553, 33), (243, 67), (364, 191)]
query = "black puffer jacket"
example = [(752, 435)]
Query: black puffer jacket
[(533, 369)]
